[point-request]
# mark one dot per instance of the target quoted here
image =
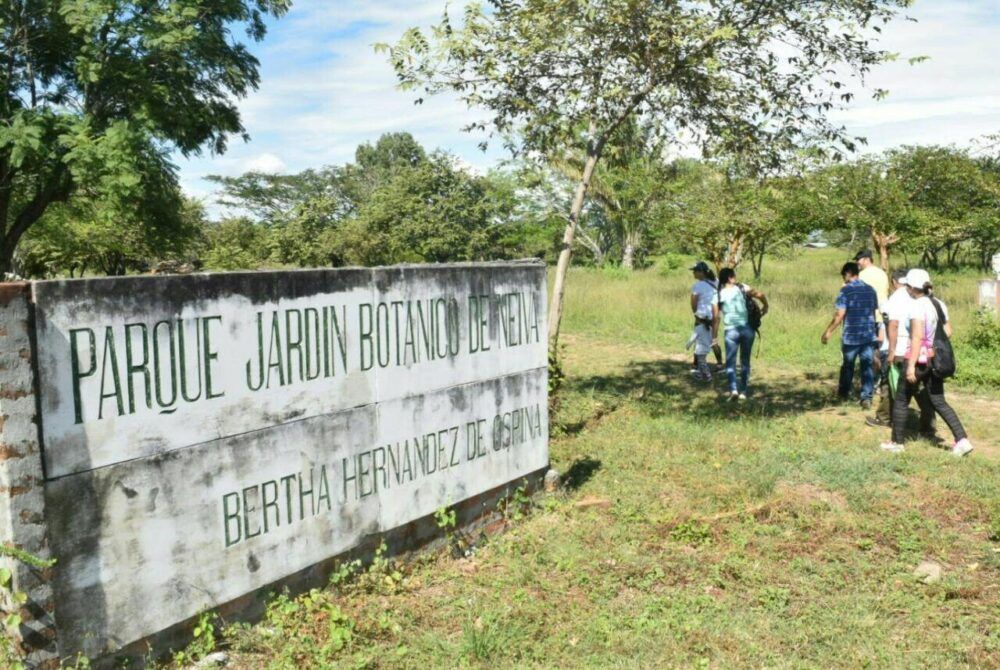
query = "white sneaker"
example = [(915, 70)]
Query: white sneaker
[(733, 395), (742, 396), (962, 448), (892, 447)]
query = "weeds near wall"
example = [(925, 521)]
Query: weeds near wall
[(204, 642), (517, 505), (11, 601), (461, 545), (382, 576)]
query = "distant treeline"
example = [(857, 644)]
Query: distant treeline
[(397, 202)]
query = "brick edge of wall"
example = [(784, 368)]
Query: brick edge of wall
[(22, 479)]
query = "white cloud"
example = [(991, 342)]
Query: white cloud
[(265, 163), (325, 90)]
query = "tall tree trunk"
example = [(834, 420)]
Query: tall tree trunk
[(58, 188), (628, 256), (6, 260), (565, 254), (757, 259), (882, 243)]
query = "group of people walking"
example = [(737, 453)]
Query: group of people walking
[(727, 305), (896, 331), (899, 339)]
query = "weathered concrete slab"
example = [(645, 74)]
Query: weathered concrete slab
[(149, 542), (132, 367), (206, 436)]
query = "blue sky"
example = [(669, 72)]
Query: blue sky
[(324, 90)]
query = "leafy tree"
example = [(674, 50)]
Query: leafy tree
[(626, 191), (952, 196), (97, 94), (395, 203), (89, 236), (271, 199), (728, 218), (431, 212), (862, 196), (753, 78)]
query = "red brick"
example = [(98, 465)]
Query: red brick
[(8, 452)]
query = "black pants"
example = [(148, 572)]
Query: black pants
[(884, 410), (929, 391)]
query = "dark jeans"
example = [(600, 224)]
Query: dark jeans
[(852, 353), (739, 340), (929, 391)]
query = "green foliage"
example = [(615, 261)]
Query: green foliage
[(83, 237), (516, 505), (994, 527), (445, 519), (394, 204), (931, 203), (726, 218), (691, 533), (204, 640), (556, 375), (310, 626), (708, 68), (985, 333), (96, 95), (10, 615)]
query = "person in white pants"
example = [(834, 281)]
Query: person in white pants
[(703, 295)]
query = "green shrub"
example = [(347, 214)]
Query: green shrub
[(670, 264), (985, 333)]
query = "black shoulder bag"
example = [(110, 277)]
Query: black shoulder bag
[(755, 316), (943, 362)]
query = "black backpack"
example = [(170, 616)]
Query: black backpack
[(943, 362), (755, 316)]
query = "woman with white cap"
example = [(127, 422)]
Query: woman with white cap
[(916, 375)]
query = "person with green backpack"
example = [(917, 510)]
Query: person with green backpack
[(738, 314)]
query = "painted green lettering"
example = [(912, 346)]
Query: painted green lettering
[(210, 355), (270, 502), (116, 393), (260, 356), (365, 328), (158, 365), (231, 515), (78, 373)]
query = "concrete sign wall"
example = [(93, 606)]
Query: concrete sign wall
[(205, 436)]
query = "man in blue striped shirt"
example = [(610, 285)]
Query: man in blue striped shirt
[(856, 308)]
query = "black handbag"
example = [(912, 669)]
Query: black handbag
[(943, 363)]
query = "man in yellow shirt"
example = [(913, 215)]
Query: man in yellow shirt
[(876, 277)]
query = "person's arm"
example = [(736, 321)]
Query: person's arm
[(947, 330), (916, 342), (716, 317), (893, 333), (759, 295), (694, 303), (838, 318)]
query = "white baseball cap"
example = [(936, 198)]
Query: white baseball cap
[(917, 278)]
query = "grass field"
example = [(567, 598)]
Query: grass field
[(691, 533)]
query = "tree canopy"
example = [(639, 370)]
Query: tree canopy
[(95, 95), (747, 78)]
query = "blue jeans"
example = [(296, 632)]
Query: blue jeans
[(739, 340), (853, 352)]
